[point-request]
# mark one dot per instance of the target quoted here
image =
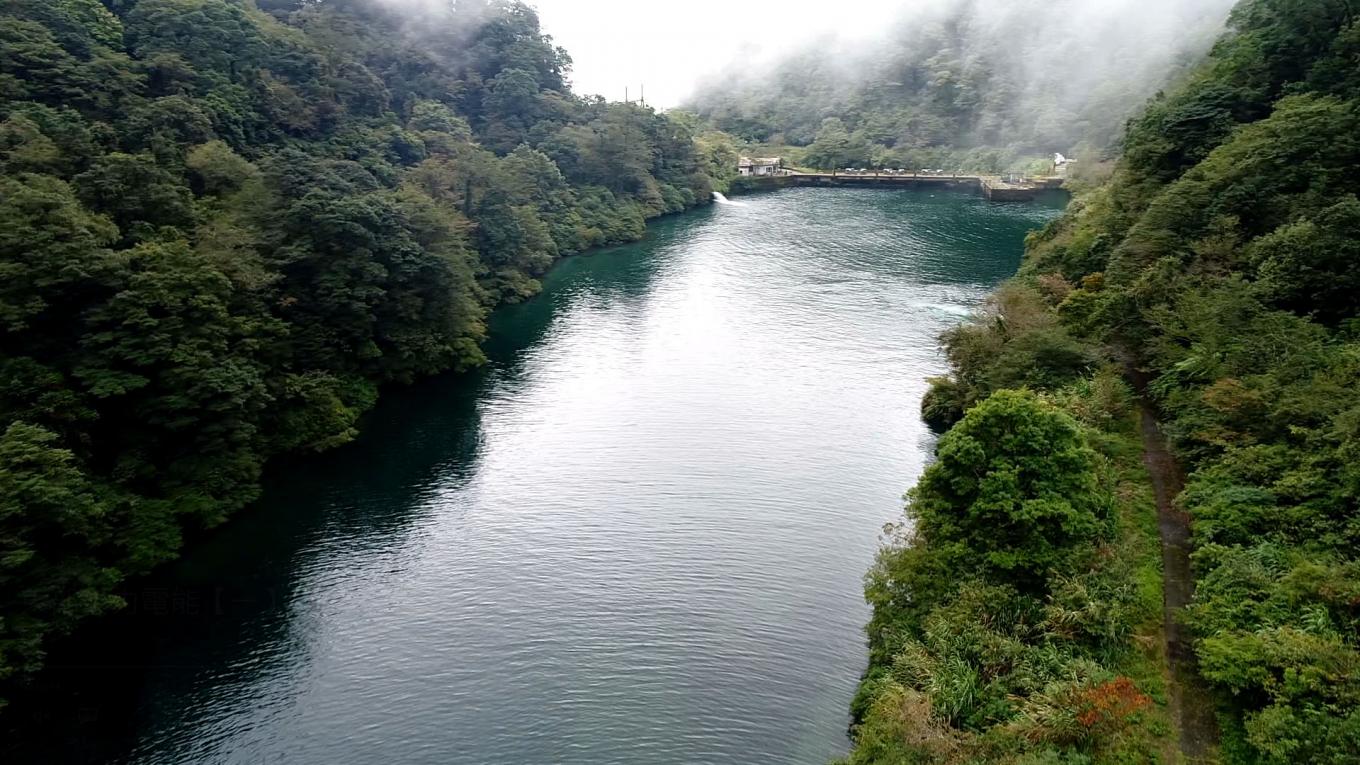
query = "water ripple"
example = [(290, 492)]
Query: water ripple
[(639, 537)]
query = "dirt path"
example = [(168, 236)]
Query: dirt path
[(1191, 705)]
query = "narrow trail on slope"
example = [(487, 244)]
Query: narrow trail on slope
[(1192, 707)]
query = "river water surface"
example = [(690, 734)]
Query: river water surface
[(637, 537)]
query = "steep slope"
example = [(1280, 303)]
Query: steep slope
[(222, 228), (1221, 255)]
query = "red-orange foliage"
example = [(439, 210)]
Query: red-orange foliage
[(1111, 703)]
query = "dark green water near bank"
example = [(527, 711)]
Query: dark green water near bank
[(638, 536)]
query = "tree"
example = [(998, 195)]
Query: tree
[(33, 66), (835, 147), (216, 170), (52, 520), (136, 193), (1014, 493), (1309, 266), (80, 26), (216, 37), (50, 252)]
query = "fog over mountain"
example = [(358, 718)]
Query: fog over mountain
[(668, 48), (1048, 74)]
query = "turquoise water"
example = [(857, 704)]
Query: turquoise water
[(637, 537)]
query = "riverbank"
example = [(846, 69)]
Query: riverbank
[(973, 663), (191, 536), (676, 461), (303, 418), (194, 300)]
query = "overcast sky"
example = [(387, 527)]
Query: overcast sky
[(669, 46)]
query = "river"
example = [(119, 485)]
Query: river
[(638, 536)]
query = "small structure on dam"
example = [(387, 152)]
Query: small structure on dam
[(1009, 189), (760, 167)]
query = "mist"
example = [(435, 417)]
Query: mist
[(1055, 73), (620, 46), (1042, 74), (671, 47)]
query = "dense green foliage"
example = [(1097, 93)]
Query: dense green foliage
[(983, 85), (1005, 604), (1012, 493), (223, 225), (1220, 260)]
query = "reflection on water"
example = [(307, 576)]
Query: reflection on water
[(638, 536)]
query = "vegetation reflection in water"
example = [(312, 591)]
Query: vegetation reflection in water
[(639, 535)]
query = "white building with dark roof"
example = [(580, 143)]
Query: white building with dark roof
[(760, 166)]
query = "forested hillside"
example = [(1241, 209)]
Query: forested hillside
[(1219, 264), (980, 84), (224, 225)]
